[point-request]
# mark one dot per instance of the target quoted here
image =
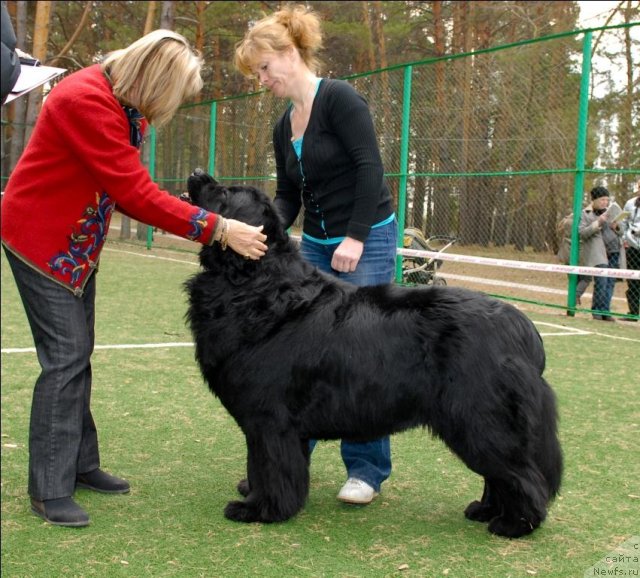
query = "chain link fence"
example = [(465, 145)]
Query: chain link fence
[(488, 148), (481, 147)]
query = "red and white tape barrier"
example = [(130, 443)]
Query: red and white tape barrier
[(528, 265)]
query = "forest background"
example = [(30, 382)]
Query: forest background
[(466, 124)]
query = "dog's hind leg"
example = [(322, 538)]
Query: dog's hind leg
[(514, 503), (486, 509), (278, 479), (523, 507)]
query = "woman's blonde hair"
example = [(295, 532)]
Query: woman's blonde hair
[(292, 26), (155, 74)]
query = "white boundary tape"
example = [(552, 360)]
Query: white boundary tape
[(529, 265)]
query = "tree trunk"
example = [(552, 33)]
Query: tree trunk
[(371, 64), (40, 37), (439, 153), (150, 21), (168, 14), (467, 217), (19, 106), (625, 160)]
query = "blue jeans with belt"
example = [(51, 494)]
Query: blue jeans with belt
[(367, 461), (63, 440)]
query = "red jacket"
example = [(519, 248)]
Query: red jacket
[(79, 164)]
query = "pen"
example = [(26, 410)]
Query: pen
[(29, 61)]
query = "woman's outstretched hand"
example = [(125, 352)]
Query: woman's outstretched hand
[(246, 240)]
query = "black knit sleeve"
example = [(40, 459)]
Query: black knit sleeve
[(351, 120), (287, 200)]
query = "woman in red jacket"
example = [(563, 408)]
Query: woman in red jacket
[(82, 162)]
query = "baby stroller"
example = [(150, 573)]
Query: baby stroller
[(423, 270)]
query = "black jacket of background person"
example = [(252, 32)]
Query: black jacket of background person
[(344, 177), (10, 62)]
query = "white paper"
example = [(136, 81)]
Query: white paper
[(32, 77)]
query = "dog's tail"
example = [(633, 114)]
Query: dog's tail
[(548, 454)]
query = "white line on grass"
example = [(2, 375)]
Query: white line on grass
[(152, 256), (113, 346), (564, 330), (617, 337), (574, 331)]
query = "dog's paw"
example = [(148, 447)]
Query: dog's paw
[(243, 487), (246, 512), (510, 528), (479, 512)]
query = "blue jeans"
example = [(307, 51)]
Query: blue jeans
[(63, 440), (367, 461), (603, 287)]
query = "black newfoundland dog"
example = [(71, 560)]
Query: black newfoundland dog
[(294, 354)]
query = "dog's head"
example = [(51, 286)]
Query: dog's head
[(242, 203)]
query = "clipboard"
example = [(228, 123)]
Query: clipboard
[(32, 75)]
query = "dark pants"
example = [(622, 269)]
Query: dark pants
[(633, 285), (603, 287), (62, 434)]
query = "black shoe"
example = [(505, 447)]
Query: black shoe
[(61, 512), (605, 318), (100, 481)]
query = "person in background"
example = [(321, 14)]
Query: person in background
[(631, 227), (9, 59), (82, 162), (564, 229), (601, 247), (327, 160)]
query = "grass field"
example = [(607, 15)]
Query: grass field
[(160, 428)]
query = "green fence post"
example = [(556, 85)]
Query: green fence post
[(578, 182), (213, 121), (404, 164), (152, 172)]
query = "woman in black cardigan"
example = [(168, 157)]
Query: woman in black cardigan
[(328, 161)]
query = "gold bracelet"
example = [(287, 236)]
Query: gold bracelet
[(224, 234)]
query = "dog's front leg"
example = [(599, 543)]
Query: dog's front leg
[(278, 479)]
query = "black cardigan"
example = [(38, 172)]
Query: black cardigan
[(344, 185)]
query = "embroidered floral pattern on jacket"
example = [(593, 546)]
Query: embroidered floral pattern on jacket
[(198, 222), (85, 242)]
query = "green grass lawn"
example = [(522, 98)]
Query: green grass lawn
[(161, 429)]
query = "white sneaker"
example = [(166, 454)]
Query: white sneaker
[(356, 491)]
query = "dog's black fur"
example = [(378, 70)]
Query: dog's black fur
[(294, 354)]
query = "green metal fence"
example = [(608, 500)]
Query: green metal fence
[(491, 147)]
